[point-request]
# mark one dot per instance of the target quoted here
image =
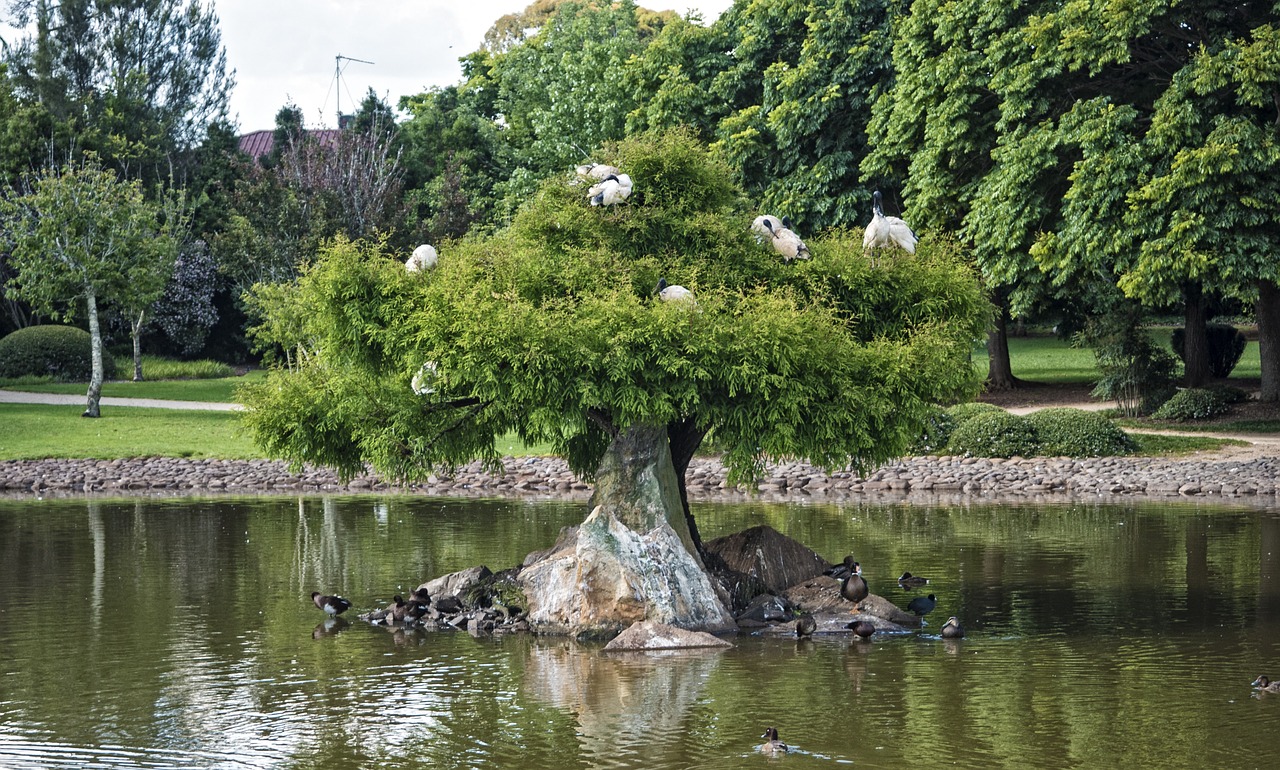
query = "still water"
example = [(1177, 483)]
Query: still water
[(179, 634)]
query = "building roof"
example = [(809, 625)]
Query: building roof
[(259, 143)]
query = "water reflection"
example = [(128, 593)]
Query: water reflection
[(1097, 636)]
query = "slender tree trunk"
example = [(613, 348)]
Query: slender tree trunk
[(999, 367), (1269, 339), (1195, 337), (137, 345), (95, 346)]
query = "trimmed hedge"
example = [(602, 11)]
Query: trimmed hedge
[(1063, 431), (937, 432), (1226, 346), (994, 434), (962, 413), (60, 352), (1194, 404)]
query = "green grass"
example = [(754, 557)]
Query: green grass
[(34, 431), (221, 389), (1156, 444), (1237, 426), (1049, 359)]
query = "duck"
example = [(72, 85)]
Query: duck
[(805, 625), (668, 292), (952, 629), (771, 743), (612, 190), (420, 595), (423, 258), (921, 606), (862, 628), (912, 581), (785, 241), (885, 231), (854, 588), (334, 605), (1263, 684)]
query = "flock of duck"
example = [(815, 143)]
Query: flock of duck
[(853, 587)]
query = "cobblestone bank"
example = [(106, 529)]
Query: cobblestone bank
[(937, 477)]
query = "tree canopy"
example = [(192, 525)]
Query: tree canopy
[(550, 328)]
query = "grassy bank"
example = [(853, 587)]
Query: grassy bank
[(34, 431), (1049, 359)]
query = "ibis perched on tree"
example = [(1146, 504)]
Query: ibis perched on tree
[(887, 231), (423, 258)]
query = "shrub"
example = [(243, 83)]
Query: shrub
[(1226, 346), (1193, 404), (60, 352), (962, 413), (1077, 433), (937, 432), (1133, 370), (994, 434)]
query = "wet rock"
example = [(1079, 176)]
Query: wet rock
[(456, 584), (771, 557), (651, 635)]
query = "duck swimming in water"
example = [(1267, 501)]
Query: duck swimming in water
[(771, 743), (912, 581), (863, 629), (952, 629), (1263, 684)]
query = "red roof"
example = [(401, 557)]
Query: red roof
[(259, 143)]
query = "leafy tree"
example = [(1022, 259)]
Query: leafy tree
[(551, 329), (80, 233), (138, 80)]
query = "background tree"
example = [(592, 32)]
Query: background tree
[(80, 233), (139, 80), (550, 328)]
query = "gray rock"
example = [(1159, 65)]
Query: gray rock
[(651, 635), (771, 557)]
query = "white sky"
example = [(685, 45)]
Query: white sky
[(284, 49)]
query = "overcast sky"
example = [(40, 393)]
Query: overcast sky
[(284, 50)]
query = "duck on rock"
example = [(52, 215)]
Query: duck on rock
[(854, 588)]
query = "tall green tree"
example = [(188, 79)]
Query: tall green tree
[(140, 80), (551, 328), (81, 234)]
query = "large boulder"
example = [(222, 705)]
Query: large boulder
[(649, 635), (456, 584), (609, 576), (769, 556)]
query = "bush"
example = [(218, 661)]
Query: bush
[(937, 432), (994, 434), (1077, 433), (60, 352), (1133, 370), (1226, 346), (1193, 404), (962, 413)]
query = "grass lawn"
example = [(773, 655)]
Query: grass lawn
[(34, 431), (221, 389), (1049, 359), (1156, 444)]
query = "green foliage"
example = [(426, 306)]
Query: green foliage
[(994, 434), (962, 413), (551, 329), (1134, 370), (59, 352), (938, 427), (1077, 433), (1193, 404), (1226, 346)]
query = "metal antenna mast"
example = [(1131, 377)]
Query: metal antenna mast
[(337, 79)]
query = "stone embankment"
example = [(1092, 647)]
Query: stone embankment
[(918, 478)]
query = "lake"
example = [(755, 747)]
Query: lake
[(180, 634)]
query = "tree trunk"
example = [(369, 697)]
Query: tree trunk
[(1269, 339), (136, 328), (633, 558), (1195, 337), (685, 437), (95, 347), (999, 367)]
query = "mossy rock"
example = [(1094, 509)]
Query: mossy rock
[(60, 352), (994, 434), (1076, 433)]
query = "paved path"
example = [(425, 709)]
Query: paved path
[(24, 397)]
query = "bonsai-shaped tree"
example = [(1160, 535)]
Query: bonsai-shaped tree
[(551, 328)]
